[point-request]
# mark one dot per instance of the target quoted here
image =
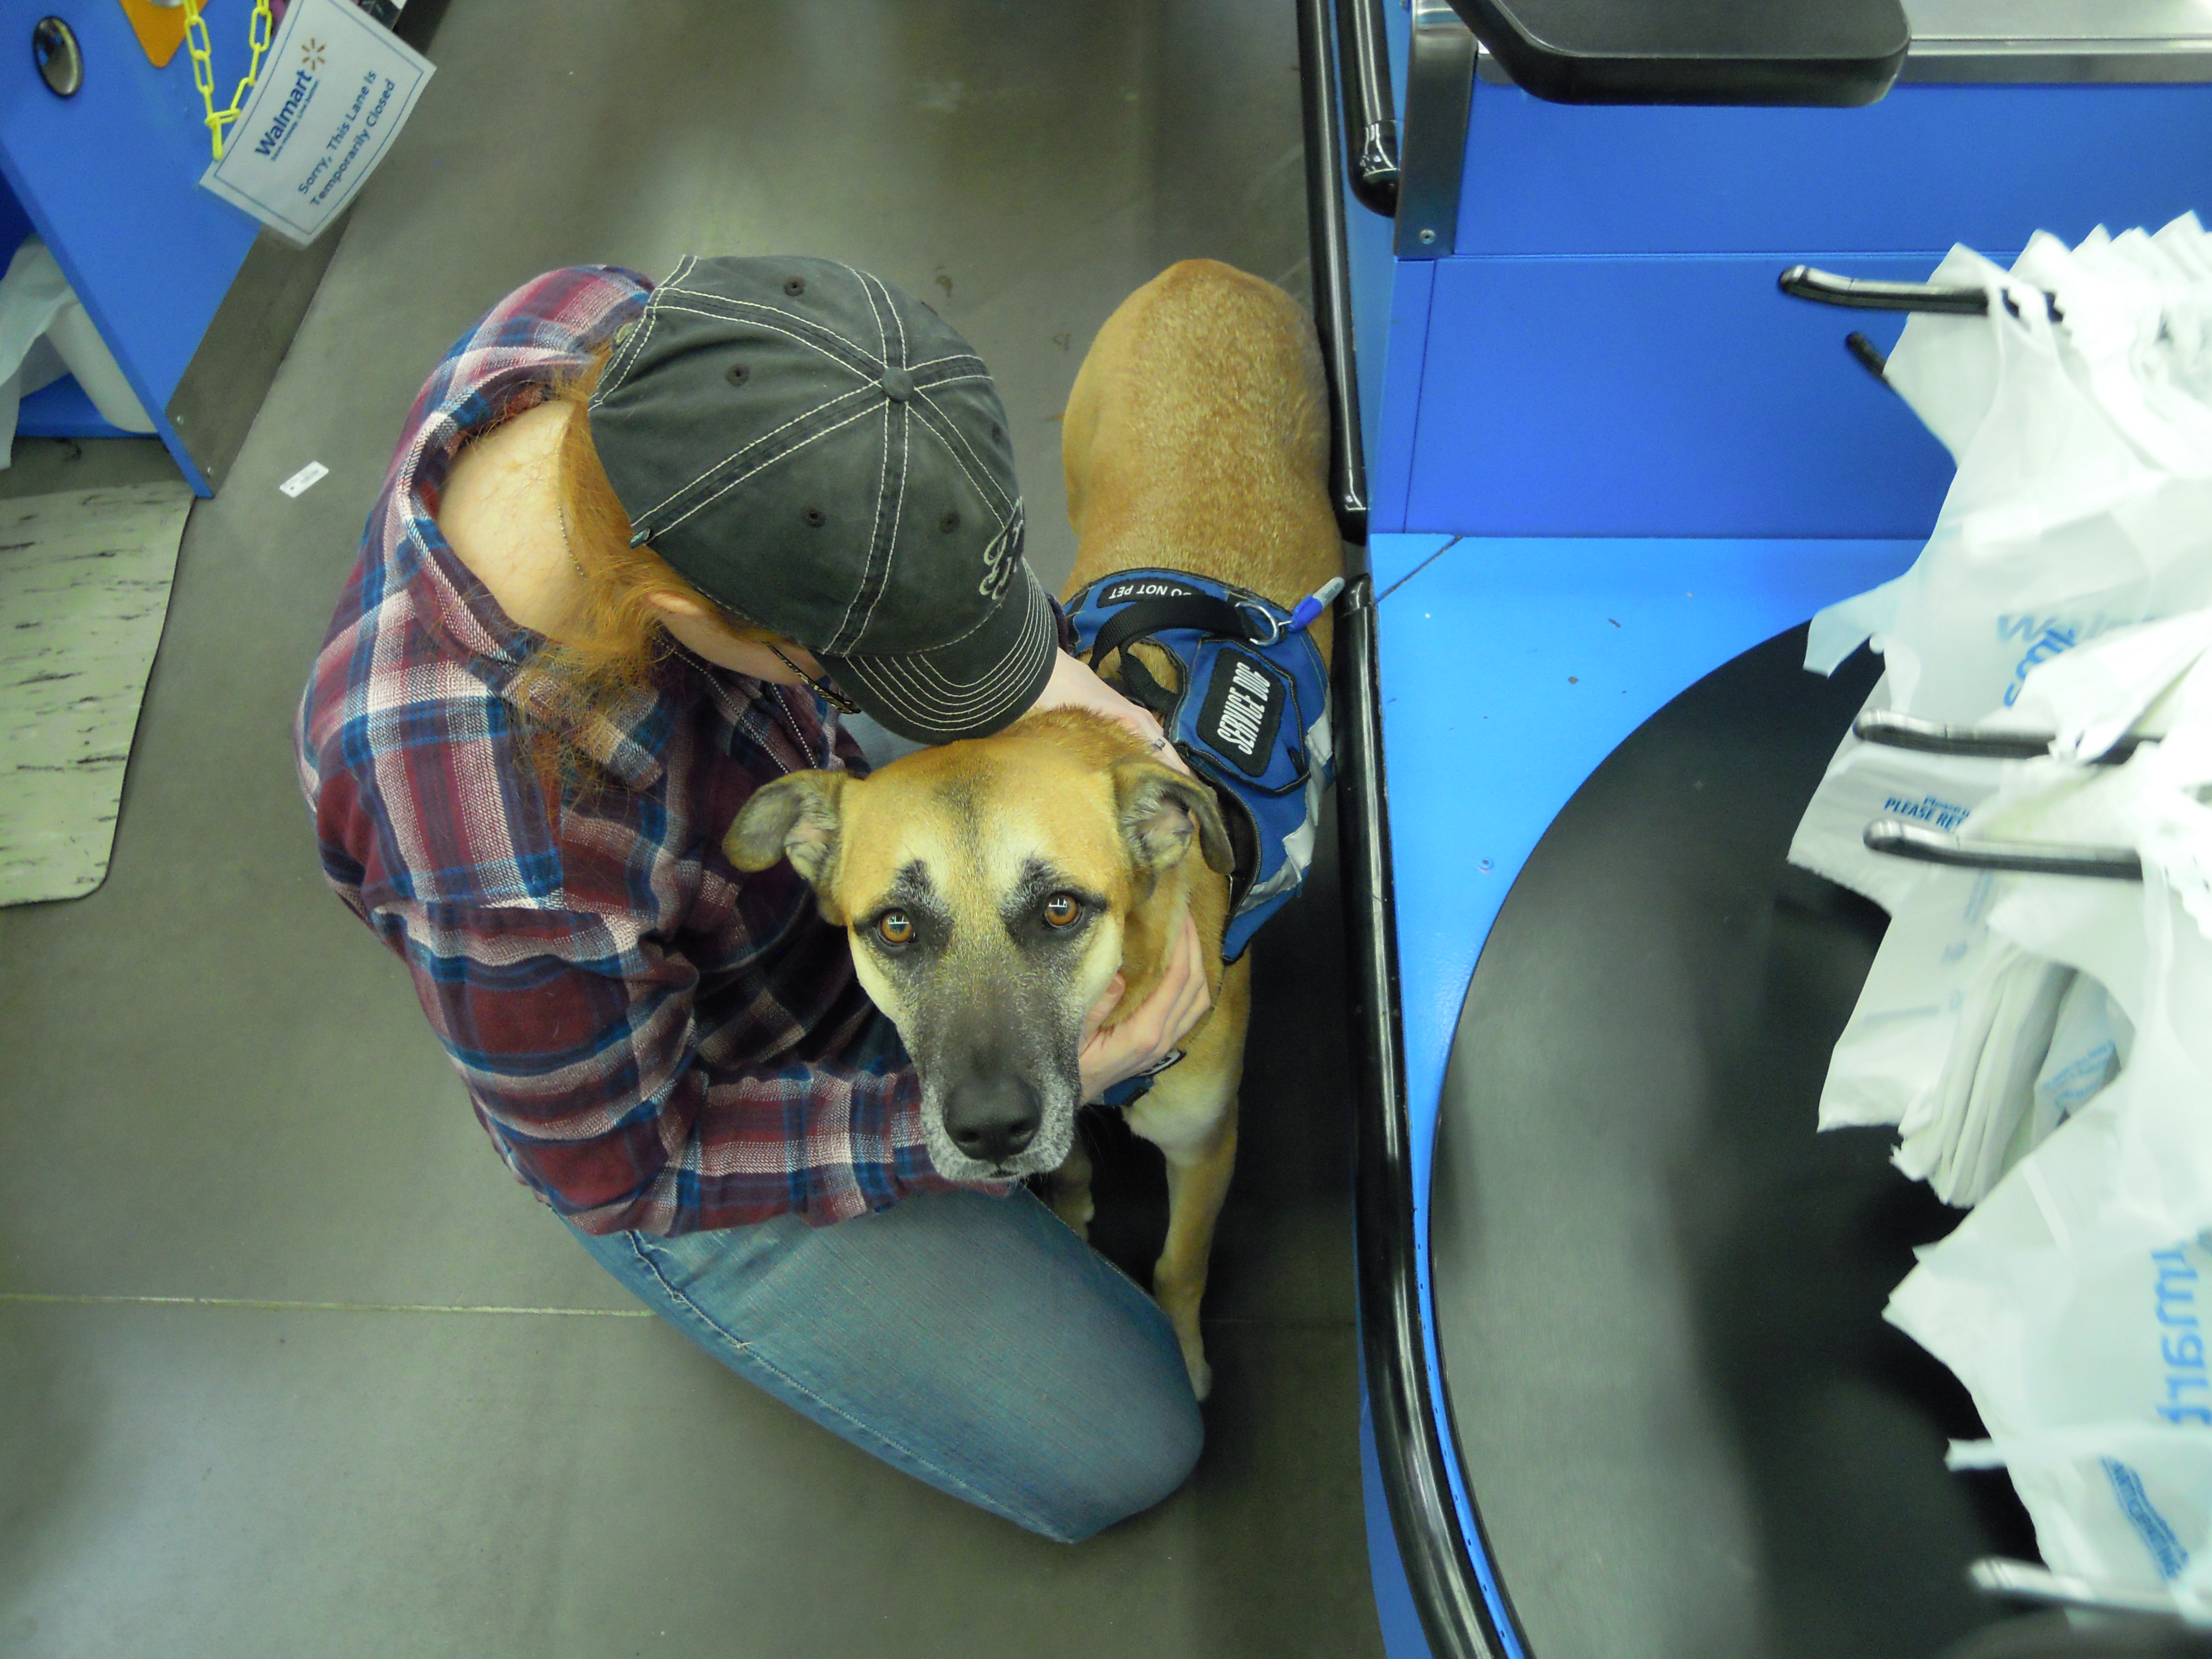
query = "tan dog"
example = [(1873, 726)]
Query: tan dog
[(993, 888)]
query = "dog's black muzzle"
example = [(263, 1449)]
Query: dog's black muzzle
[(993, 1115)]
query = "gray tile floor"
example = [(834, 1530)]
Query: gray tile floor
[(213, 1085)]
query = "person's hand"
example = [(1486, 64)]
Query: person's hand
[(1150, 1033), (1073, 686)]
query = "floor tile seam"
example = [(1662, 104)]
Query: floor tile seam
[(38, 1298)]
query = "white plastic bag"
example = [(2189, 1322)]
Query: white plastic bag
[(1997, 1006), (2075, 1300), (2045, 1042), (2146, 679), (2082, 503), (46, 334), (2125, 1507), (1952, 1030), (2089, 1044)]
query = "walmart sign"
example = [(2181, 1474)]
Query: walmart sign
[(334, 89)]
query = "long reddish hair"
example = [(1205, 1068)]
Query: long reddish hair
[(616, 641)]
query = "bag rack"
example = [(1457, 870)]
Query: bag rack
[(1923, 737), (1862, 294), (1899, 839)]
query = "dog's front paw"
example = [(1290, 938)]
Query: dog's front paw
[(1075, 1208), (1201, 1374), (1181, 1306), (1067, 1189)]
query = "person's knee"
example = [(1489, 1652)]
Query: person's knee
[(1139, 1466)]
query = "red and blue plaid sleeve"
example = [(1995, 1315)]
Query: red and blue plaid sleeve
[(581, 1049)]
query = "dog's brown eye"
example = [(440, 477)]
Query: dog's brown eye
[(1060, 909), (894, 927)]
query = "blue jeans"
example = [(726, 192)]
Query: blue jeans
[(974, 1342)]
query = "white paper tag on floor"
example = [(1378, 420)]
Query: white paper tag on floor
[(305, 480), (84, 588), (335, 90)]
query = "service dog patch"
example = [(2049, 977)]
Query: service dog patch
[(1243, 708)]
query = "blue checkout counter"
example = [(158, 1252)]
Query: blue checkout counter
[(1627, 1389), (197, 307)]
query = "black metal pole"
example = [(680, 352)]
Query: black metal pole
[(1332, 269), (1370, 116)]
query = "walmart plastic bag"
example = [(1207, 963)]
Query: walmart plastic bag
[(2089, 1370), (1997, 1006), (2082, 503), (2089, 1043), (1951, 1032), (2123, 1506), (2079, 1320), (2044, 1044), (2075, 1300), (1975, 1048)]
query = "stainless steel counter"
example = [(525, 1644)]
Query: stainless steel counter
[(2059, 41)]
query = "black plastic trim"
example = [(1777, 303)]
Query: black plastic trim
[(1431, 1544), (1839, 54), (1432, 158), (1332, 266), (1371, 115), (1331, 262)]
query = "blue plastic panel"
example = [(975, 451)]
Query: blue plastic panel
[(61, 410), (1668, 396), (1923, 169), (1510, 669), (110, 180), (14, 224), (1403, 294)]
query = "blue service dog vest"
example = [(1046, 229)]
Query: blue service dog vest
[(1251, 718)]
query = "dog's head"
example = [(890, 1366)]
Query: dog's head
[(988, 888)]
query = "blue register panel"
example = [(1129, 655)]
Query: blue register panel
[(1606, 354), (1607, 457)]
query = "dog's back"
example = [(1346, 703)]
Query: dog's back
[(1197, 438)]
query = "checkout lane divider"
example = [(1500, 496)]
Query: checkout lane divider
[(1460, 1614)]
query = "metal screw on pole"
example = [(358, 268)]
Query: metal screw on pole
[(1427, 237)]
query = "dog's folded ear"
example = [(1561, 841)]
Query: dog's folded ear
[(794, 817), (1161, 808)]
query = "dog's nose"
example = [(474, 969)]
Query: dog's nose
[(991, 1117)]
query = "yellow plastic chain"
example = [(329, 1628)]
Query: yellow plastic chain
[(196, 38)]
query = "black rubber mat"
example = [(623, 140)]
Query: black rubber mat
[(1658, 1290)]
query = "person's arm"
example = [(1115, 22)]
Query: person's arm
[(589, 1061)]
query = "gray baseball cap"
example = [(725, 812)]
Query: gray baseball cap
[(822, 455)]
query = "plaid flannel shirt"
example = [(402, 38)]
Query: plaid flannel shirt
[(653, 1040)]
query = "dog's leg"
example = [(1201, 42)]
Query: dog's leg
[(1198, 1183), (1067, 1189)]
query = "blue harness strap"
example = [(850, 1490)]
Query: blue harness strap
[(1251, 717)]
